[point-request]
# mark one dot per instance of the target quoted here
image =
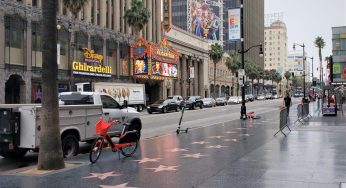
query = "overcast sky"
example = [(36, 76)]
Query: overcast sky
[(307, 19)]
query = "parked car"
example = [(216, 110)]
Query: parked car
[(234, 100), (191, 102), (268, 96), (261, 97), (163, 106), (176, 98), (222, 101), (275, 96), (209, 102), (296, 95), (249, 98)]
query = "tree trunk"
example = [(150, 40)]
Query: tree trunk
[(252, 87), (214, 79), (50, 154)]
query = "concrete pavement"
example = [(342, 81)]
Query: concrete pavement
[(230, 154)]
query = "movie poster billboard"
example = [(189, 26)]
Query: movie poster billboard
[(339, 72), (141, 67), (234, 24), (164, 69), (205, 19)]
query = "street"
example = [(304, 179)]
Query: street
[(155, 125)]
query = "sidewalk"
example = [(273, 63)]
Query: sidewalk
[(233, 154)]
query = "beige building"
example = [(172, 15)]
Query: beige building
[(101, 27), (225, 81), (275, 51)]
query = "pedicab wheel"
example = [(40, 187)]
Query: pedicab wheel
[(177, 131), (96, 150), (129, 150)]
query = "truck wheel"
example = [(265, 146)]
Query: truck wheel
[(17, 153), (70, 146), (201, 107), (139, 108)]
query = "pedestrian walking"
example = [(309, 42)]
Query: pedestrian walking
[(288, 103)]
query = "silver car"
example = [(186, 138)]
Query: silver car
[(234, 100), (209, 102)]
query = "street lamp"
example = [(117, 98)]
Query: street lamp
[(294, 48), (242, 52)]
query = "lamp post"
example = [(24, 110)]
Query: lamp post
[(312, 74), (58, 27), (294, 48), (242, 52)]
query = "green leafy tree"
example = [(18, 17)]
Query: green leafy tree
[(233, 64), (50, 155), (320, 44), (215, 54), (75, 6), (138, 16), (252, 71)]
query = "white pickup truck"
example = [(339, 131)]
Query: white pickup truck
[(78, 114)]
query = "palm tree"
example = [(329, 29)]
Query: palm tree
[(319, 43), (75, 6), (137, 16), (251, 70), (50, 154), (215, 54), (233, 64)]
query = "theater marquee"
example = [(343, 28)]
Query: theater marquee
[(91, 65)]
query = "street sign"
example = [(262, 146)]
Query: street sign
[(241, 80), (241, 72)]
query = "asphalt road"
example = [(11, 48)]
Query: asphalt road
[(155, 125)]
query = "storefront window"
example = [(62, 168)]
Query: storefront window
[(36, 44), (14, 35), (81, 42), (124, 59), (111, 55)]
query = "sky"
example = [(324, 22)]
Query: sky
[(307, 19)]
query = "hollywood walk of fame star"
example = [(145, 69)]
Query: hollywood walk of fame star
[(124, 185), (178, 149), (201, 142), (229, 140), (163, 168), (216, 137), (196, 155), (217, 146), (103, 176), (241, 128), (246, 135), (145, 160), (230, 132)]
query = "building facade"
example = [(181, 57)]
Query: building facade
[(99, 30), (275, 47), (339, 55)]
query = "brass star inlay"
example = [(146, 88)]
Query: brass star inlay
[(103, 176)]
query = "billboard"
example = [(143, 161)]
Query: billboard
[(141, 67), (204, 18), (234, 24), (339, 72), (164, 69)]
